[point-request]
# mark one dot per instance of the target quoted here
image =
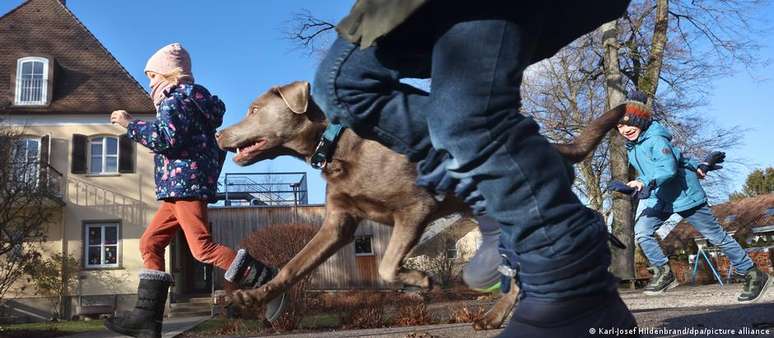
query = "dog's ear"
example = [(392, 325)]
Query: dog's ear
[(295, 95)]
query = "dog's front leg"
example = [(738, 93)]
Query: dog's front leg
[(337, 230), (405, 235)]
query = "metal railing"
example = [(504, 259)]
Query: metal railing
[(31, 90), (37, 177), (272, 189)]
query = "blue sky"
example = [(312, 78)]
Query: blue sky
[(239, 51)]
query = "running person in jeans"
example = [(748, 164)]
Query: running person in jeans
[(671, 185), (468, 128)]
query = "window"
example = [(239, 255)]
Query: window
[(102, 245), (31, 81), (451, 249), (103, 155), (363, 246), (26, 153)]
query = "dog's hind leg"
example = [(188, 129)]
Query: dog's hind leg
[(337, 230), (495, 317), (407, 230)]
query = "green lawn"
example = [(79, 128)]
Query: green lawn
[(49, 329)]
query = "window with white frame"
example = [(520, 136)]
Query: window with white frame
[(31, 81), (364, 246), (102, 245), (25, 154), (103, 155)]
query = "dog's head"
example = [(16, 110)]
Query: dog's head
[(277, 123)]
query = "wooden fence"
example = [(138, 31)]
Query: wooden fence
[(342, 271)]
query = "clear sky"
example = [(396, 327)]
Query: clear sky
[(239, 51)]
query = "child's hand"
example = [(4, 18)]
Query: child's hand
[(121, 118), (636, 184), (701, 174)]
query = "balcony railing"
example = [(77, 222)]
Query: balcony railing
[(268, 189), (38, 178)]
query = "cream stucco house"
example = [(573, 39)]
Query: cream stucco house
[(58, 85)]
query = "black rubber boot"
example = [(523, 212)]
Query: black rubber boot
[(756, 282), (249, 273), (663, 279), (146, 318)]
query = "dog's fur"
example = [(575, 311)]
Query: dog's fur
[(365, 181)]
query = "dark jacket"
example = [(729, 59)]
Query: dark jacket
[(659, 163), (561, 21), (188, 160)]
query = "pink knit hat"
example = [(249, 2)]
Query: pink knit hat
[(169, 57)]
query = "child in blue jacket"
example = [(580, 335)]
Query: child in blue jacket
[(669, 183)]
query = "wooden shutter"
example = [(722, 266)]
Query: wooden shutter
[(126, 154), (78, 161), (45, 147), (44, 159)]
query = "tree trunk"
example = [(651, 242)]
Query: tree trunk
[(648, 82), (622, 265)]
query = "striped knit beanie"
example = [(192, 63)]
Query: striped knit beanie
[(637, 113)]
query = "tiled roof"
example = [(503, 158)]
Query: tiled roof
[(87, 78), (749, 213)]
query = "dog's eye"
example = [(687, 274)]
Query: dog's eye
[(254, 111)]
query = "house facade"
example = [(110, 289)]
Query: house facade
[(58, 86)]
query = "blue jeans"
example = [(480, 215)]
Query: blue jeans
[(472, 114), (704, 221)]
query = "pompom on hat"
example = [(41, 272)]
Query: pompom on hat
[(637, 113)]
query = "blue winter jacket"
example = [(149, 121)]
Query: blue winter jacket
[(657, 162), (188, 160)]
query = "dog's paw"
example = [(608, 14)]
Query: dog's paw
[(253, 297), (487, 323)]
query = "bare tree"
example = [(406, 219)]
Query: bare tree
[(26, 207), (310, 34)]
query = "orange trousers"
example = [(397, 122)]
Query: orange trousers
[(191, 216)]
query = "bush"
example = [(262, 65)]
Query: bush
[(276, 245), (54, 277), (366, 318), (466, 313), (412, 313)]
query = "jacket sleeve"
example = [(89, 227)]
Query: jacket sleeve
[(664, 162), (689, 163), (167, 133)]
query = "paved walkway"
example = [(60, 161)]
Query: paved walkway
[(172, 327), (682, 308), (463, 330)]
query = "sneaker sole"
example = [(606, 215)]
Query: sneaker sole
[(282, 303), (668, 287), (760, 295)]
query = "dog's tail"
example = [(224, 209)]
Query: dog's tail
[(590, 137)]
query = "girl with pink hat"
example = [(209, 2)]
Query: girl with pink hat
[(187, 165)]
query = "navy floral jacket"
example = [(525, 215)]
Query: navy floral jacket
[(188, 160)]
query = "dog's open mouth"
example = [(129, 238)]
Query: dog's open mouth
[(249, 150)]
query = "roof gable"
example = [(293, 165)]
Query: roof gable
[(87, 78)]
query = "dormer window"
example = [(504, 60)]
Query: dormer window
[(32, 81)]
